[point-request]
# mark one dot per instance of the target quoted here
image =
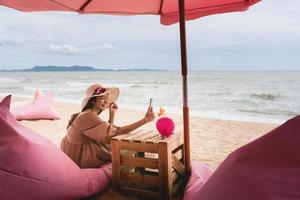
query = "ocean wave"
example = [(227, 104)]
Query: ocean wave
[(52, 89), (10, 80), (152, 82), (31, 89), (270, 112), (218, 94), (265, 96), (76, 90), (77, 78), (26, 80), (136, 86), (13, 88), (77, 84)]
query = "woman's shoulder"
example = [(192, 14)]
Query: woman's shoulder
[(89, 115), (88, 118)]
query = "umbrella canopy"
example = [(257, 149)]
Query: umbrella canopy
[(167, 9), (170, 11)]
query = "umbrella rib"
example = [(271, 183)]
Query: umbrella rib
[(84, 5), (62, 5), (161, 4), (120, 13), (215, 6)]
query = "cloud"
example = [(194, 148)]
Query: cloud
[(58, 49), (70, 50), (103, 48), (63, 49), (9, 42)]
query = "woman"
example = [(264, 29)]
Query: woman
[(88, 137)]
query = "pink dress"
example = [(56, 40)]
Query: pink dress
[(87, 141)]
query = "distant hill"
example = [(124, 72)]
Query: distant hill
[(73, 69), (59, 68)]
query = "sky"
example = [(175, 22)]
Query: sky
[(266, 37)]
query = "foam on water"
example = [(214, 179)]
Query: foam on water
[(10, 80)]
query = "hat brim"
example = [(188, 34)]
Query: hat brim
[(113, 94)]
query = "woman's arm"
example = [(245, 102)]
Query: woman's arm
[(128, 128), (149, 116), (111, 118), (112, 110)]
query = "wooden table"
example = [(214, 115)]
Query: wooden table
[(147, 165)]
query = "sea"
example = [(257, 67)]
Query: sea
[(256, 96)]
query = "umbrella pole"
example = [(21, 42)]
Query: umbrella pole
[(184, 70)]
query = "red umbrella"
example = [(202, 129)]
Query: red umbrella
[(170, 12)]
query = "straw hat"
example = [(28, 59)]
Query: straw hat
[(96, 90)]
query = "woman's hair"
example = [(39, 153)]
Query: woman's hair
[(89, 105)]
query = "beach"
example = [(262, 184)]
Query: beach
[(227, 109), (211, 139)]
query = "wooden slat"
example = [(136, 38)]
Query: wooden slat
[(162, 168), (180, 147), (119, 137), (127, 152), (143, 147), (127, 169), (177, 165), (178, 154), (169, 181), (149, 171), (153, 139), (141, 178), (171, 138), (175, 144), (174, 176), (145, 136), (174, 141), (165, 169), (142, 155), (139, 162), (152, 155), (116, 164), (134, 136), (178, 188), (140, 192), (140, 135)]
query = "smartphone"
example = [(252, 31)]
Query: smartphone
[(150, 103)]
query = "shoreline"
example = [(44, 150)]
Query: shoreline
[(172, 111), (211, 139)]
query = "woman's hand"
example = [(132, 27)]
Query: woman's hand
[(113, 108), (149, 116)]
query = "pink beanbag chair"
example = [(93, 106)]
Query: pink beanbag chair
[(200, 174), (41, 107), (265, 169), (17, 104), (31, 167)]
